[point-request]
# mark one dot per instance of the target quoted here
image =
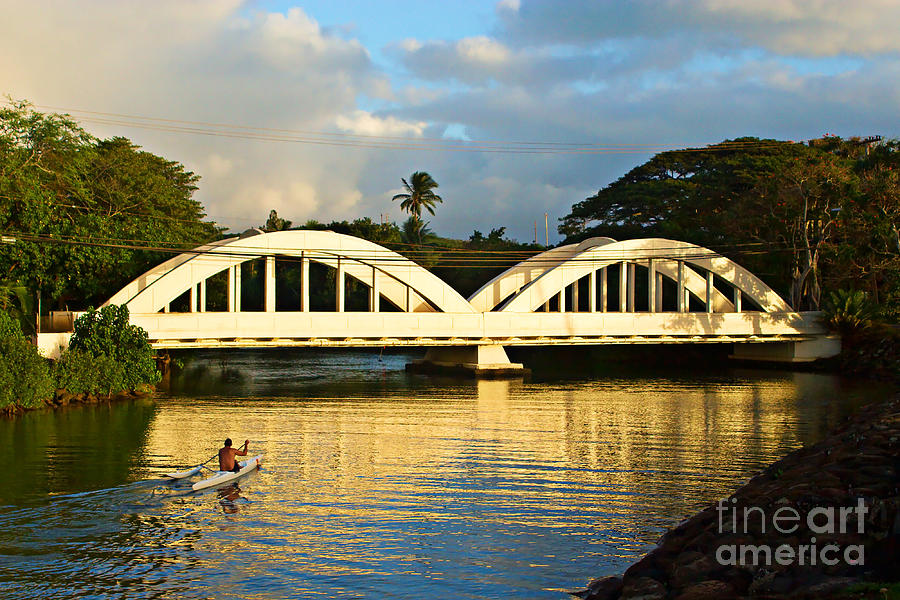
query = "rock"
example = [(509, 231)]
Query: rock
[(604, 588), (642, 588), (691, 568), (858, 460), (772, 584), (824, 588), (708, 590)]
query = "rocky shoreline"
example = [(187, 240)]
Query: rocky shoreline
[(811, 525)]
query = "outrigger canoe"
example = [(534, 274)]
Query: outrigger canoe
[(223, 477)]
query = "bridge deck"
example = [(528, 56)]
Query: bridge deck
[(361, 329)]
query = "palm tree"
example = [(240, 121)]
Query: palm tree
[(419, 195), (413, 230)]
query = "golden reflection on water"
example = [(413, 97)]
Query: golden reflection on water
[(489, 483), (376, 484)]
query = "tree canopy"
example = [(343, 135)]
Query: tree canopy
[(419, 194), (87, 215), (799, 215)]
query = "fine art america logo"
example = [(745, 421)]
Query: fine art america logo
[(787, 520)]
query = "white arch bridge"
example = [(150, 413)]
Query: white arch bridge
[(319, 288)]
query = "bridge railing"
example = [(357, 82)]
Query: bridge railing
[(186, 329)]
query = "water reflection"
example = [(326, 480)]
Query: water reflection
[(229, 498), (377, 484)]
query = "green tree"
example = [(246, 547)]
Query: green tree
[(776, 207), (107, 334), (275, 223), (17, 303), (414, 231), (419, 194), (25, 379), (88, 215)]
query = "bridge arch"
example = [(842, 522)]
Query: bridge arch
[(500, 288), (666, 258), (384, 272)]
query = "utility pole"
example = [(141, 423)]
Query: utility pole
[(535, 232), (546, 231)]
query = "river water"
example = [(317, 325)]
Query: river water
[(377, 484)]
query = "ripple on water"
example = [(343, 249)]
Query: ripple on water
[(386, 485)]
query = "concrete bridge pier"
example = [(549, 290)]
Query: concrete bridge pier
[(482, 362), (824, 346)]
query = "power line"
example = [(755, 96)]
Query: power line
[(414, 247), (281, 135), (250, 253)]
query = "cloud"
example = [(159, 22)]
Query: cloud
[(208, 61), (365, 123), (645, 75), (787, 27), (481, 60)]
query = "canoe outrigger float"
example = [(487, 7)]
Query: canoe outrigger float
[(220, 477)]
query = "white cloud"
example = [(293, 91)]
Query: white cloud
[(219, 166), (207, 61), (646, 72), (365, 123), (483, 50)]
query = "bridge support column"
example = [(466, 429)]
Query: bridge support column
[(632, 275), (234, 288), (825, 346), (487, 362), (270, 283), (659, 292), (304, 283), (592, 292), (604, 290), (575, 298), (375, 292), (340, 287)]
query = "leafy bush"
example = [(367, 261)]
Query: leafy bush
[(24, 374), (80, 373), (849, 312), (107, 336)]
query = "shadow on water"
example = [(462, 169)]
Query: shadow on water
[(74, 448), (553, 363), (289, 372)]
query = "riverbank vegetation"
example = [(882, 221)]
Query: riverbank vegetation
[(107, 356), (809, 218), (82, 216)]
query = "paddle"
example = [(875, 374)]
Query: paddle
[(191, 471), (196, 469)]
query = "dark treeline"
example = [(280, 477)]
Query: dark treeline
[(60, 185), (808, 218)]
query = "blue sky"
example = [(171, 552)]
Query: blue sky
[(632, 77)]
